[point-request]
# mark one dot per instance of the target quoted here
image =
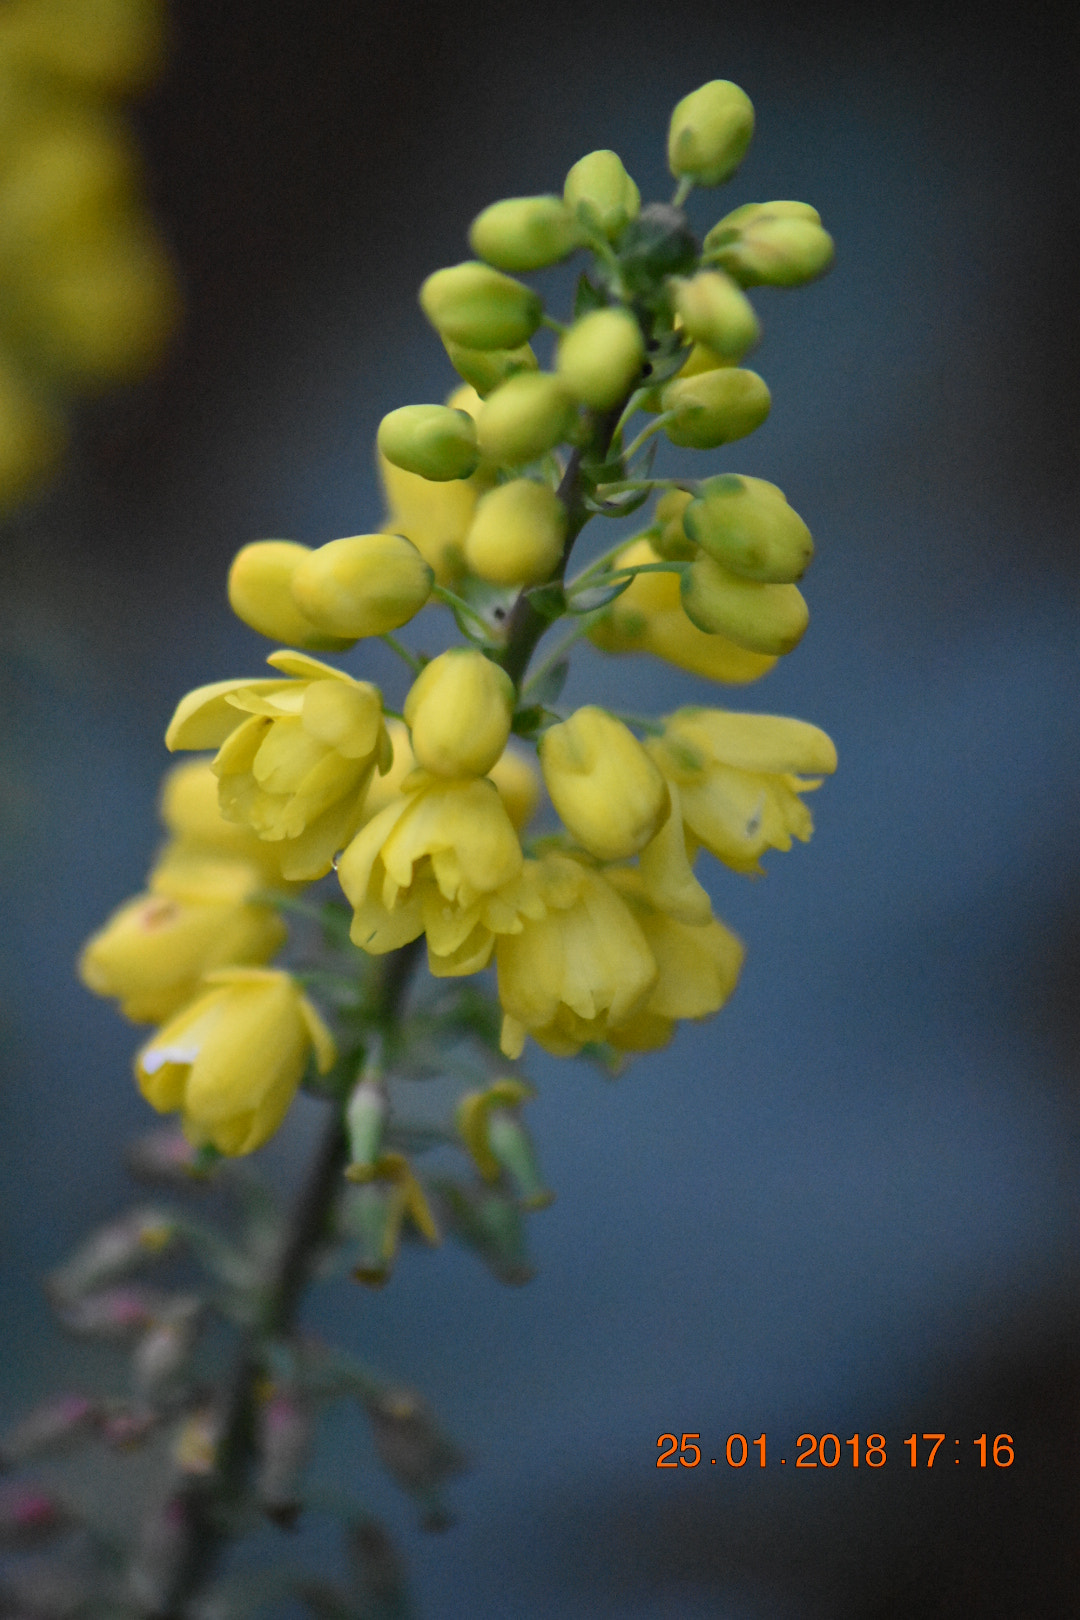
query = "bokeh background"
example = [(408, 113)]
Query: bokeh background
[(850, 1202)]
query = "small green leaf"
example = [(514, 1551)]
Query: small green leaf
[(549, 601), (548, 687), (587, 297), (597, 596)]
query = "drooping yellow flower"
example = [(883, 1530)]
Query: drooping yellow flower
[(297, 769), (232, 1060), (698, 966), (578, 970), (740, 777), (198, 916), (442, 860), (649, 617)]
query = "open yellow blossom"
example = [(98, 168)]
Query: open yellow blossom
[(739, 778), (698, 966), (442, 860), (649, 617), (298, 767), (577, 970), (232, 1060), (198, 916)]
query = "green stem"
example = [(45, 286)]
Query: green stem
[(414, 663), (646, 434)]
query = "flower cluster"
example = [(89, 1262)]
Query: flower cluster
[(87, 294), (600, 933)]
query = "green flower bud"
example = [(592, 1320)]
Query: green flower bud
[(746, 525), (715, 407), (762, 618), (600, 356), (524, 418), (602, 194), (517, 535), (472, 304), (365, 585), (610, 795), (672, 542), (709, 132), (432, 441), (715, 311), (781, 244), (485, 369), (260, 594), (524, 233), (459, 711)]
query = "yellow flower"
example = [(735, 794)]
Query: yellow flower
[(649, 617), (524, 233), (297, 769), (577, 970), (443, 860), (198, 916), (698, 967), (602, 783), (260, 594), (601, 193), (364, 585), (459, 711), (232, 1060), (599, 357), (739, 778), (517, 534), (518, 785), (192, 815), (709, 132)]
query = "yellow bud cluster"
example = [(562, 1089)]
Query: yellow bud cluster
[(89, 297)]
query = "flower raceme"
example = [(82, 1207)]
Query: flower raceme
[(601, 935)]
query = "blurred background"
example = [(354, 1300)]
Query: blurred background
[(849, 1203)]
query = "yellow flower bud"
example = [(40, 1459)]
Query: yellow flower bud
[(715, 311), (602, 194), (673, 543), (763, 618), (365, 585), (472, 304), (459, 710), (747, 526), (111, 46), (259, 594), (485, 369), (518, 786), (709, 132), (386, 789), (524, 233), (648, 617), (715, 407), (63, 187), (781, 244), (233, 1059), (600, 357), (739, 779), (524, 418), (190, 810), (516, 537), (432, 441), (602, 783), (105, 314)]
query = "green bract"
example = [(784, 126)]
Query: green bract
[(432, 441), (472, 304), (524, 233)]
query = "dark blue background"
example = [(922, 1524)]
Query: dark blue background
[(849, 1203)]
